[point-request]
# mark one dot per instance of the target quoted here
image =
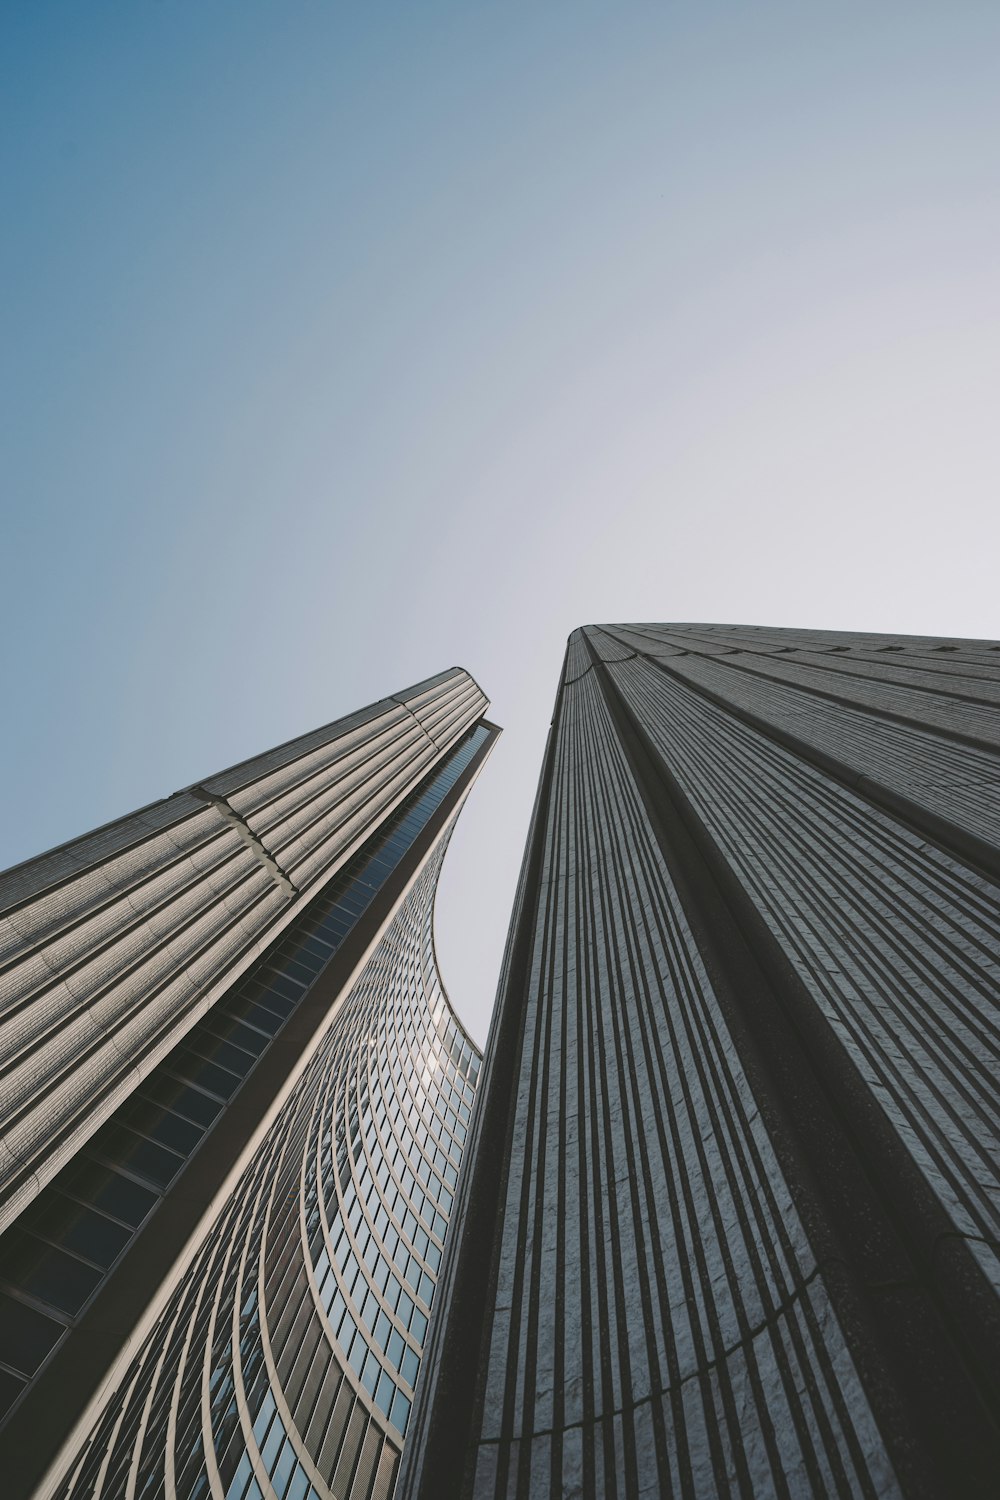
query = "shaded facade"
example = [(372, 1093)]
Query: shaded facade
[(239, 1101), (727, 1223)]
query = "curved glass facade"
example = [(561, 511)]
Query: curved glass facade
[(284, 1364)]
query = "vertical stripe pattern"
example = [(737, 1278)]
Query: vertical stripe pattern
[(113, 946), (744, 1064), (284, 1364)]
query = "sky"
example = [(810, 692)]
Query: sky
[(346, 343)]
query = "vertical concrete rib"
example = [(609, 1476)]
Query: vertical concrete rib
[(286, 1358), (111, 947), (741, 1239), (225, 1291)]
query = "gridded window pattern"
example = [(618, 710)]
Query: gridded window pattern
[(55, 1258), (250, 1386), (378, 1192)]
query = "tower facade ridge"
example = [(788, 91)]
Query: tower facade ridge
[(728, 1219), (236, 1102)]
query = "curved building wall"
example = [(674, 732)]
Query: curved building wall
[(285, 1363), (113, 946)]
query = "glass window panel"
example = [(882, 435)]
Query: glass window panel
[(200, 1486), (409, 1366), (239, 1480), (269, 997), (11, 1387), (80, 1229), (267, 1020), (205, 1074), (233, 1031), (263, 1417), (299, 1487), (225, 1054), (314, 947), (400, 1413), (184, 1100), (394, 1349), (162, 1125), (135, 1154), (109, 1191), (370, 1374), (25, 1335), (337, 1312), (283, 986), (384, 1392), (369, 1311), (45, 1272), (283, 1468), (301, 972), (274, 1440)]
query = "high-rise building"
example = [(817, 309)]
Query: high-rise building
[(728, 1218), (235, 1098)]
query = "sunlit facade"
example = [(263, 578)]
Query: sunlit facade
[(261, 1220)]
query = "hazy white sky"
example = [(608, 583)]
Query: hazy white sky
[(347, 343)]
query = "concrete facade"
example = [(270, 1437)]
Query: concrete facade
[(112, 945), (728, 1219), (245, 1223)]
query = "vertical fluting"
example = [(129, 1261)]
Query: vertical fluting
[(744, 1067), (221, 1279), (285, 1362), (114, 945)]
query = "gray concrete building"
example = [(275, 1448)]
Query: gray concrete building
[(234, 1103), (727, 1223), (715, 1216)]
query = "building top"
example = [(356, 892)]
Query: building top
[(114, 944)]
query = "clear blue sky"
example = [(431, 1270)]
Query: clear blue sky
[(344, 343)]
